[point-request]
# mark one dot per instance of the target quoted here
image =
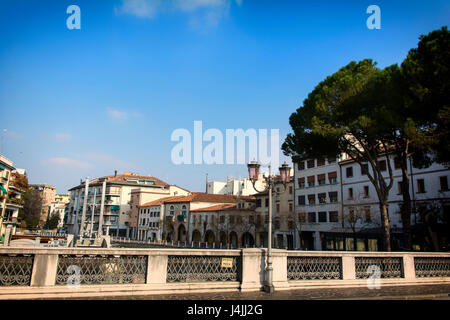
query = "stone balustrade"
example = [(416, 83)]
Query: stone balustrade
[(81, 272)]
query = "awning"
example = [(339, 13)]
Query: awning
[(114, 208), (311, 178), (2, 167), (332, 174), (3, 190)]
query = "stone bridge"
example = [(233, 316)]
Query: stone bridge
[(34, 272)]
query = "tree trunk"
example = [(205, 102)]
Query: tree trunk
[(385, 226), (406, 208)]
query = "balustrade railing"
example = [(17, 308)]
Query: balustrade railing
[(89, 267)]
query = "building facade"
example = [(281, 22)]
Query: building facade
[(117, 202), (337, 206), (47, 194)]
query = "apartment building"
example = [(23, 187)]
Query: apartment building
[(139, 197), (7, 210), (429, 189), (116, 206), (47, 194), (317, 200)]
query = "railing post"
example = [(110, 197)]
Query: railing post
[(44, 270), (348, 267), (279, 263), (409, 271), (157, 268), (252, 273)]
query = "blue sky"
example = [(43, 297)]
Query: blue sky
[(107, 97)]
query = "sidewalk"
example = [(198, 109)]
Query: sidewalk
[(422, 292)]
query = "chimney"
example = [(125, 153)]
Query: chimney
[(115, 173)]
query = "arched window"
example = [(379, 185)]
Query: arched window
[(183, 210), (171, 210)]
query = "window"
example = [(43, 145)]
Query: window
[(312, 199), (322, 216), (400, 187), (350, 193), (333, 216), (301, 165), (172, 210), (183, 210), (251, 219), (239, 219), (320, 162), (290, 189), (321, 179), (301, 217), (322, 197), (267, 202), (291, 207), (258, 203), (278, 190), (397, 164), (301, 183), (349, 172), (366, 191), (310, 164), (444, 183), (231, 219), (331, 160), (364, 169), (367, 214), (311, 217), (332, 176), (420, 186), (278, 207), (333, 196), (382, 165), (311, 181), (258, 219), (301, 200), (222, 219)]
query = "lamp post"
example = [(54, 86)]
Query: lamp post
[(253, 171)]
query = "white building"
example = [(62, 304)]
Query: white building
[(338, 208), (236, 187), (428, 186), (317, 200), (117, 203)]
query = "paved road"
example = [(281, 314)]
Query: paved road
[(425, 292)]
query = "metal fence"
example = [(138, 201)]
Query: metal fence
[(202, 268), (432, 267), (15, 270), (390, 267), (101, 269), (314, 268)]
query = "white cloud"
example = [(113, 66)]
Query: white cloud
[(138, 8), (63, 137), (201, 12), (66, 163), (107, 160), (11, 134), (116, 114)]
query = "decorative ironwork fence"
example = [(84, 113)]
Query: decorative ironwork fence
[(201, 269), (432, 267), (15, 270), (390, 267), (102, 269), (314, 268)]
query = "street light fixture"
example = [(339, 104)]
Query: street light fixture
[(253, 172)]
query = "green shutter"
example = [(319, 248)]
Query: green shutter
[(3, 190)]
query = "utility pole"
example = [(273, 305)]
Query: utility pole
[(83, 214), (102, 206)]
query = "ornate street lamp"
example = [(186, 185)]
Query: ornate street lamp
[(253, 172)]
